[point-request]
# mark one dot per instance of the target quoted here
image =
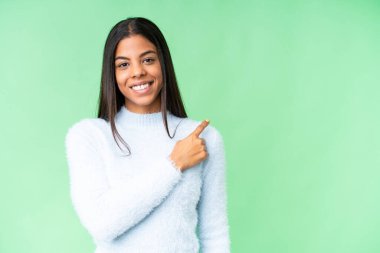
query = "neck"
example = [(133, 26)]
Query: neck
[(152, 108), (128, 118)]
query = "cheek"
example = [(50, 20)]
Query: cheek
[(121, 83), (120, 77), (158, 74), (121, 80)]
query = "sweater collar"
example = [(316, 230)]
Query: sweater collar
[(127, 118)]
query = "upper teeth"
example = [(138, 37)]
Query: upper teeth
[(140, 87)]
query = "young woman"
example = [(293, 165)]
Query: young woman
[(143, 176)]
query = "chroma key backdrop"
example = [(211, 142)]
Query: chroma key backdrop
[(293, 87)]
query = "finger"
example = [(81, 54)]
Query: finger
[(203, 155), (200, 128)]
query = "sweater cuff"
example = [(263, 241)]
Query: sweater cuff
[(173, 165)]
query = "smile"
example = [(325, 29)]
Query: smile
[(141, 86)]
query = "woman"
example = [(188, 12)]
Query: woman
[(141, 177)]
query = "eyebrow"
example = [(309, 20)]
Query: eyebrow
[(141, 55)]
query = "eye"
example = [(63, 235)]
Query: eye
[(149, 60), (122, 65)]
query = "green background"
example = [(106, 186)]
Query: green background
[(293, 86)]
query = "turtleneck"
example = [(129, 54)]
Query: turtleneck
[(127, 118), (123, 200)]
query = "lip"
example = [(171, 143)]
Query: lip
[(144, 91), (139, 83)]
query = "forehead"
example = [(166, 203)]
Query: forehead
[(134, 46)]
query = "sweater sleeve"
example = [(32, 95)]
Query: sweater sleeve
[(107, 212), (212, 211)]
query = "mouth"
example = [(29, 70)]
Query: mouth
[(141, 86)]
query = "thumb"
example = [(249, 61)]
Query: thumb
[(200, 128)]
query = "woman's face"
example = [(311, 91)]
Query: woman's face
[(138, 74)]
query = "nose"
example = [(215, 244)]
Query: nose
[(137, 70)]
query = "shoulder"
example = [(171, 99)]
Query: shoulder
[(211, 134), (86, 125), (85, 129)]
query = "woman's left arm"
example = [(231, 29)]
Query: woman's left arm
[(212, 206)]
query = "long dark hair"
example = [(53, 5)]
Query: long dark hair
[(110, 97)]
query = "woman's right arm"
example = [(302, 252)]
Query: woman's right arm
[(107, 212)]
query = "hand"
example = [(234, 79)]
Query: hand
[(191, 150)]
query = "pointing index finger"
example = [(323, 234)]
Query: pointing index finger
[(201, 127)]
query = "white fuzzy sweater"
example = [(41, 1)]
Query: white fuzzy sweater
[(141, 203)]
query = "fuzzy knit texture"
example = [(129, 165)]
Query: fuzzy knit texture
[(141, 202)]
